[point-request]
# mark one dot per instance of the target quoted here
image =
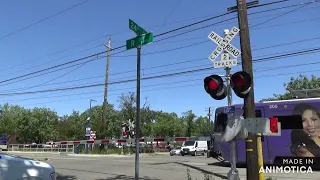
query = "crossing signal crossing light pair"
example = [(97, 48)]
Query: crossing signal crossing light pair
[(240, 82)]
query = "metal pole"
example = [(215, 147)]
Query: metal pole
[(138, 116), (89, 126), (233, 174)]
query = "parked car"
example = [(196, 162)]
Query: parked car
[(19, 168), (175, 151)]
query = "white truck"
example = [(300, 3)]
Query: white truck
[(194, 148)]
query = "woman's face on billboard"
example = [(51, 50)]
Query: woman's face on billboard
[(311, 122)]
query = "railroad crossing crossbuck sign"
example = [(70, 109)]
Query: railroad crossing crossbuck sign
[(224, 44)]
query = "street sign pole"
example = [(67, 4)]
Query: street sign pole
[(143, 37), (138, 115)]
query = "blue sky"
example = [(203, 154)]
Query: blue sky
[(97, 18)]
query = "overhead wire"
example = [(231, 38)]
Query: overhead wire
[(166, 88), (159, 76), (124, 45), (44, 19), (171, 64), (286, 13)]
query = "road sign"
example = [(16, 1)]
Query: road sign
[(139, 40), (88, 130), (225, 57), (93, 134), (225, 42), (136, 28), (230, 109), (227, 63)]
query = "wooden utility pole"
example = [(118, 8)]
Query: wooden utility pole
[(209, 114), (249, 106), (105, 101)]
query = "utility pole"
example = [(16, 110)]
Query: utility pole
[(249, 106), (209, 114), (105, 100)]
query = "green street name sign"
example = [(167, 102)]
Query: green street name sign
[(136, 28), (139, 40)]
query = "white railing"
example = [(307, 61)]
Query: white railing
[(41, 148)]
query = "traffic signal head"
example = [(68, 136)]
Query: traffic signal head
[(241, 83), (214, 86)]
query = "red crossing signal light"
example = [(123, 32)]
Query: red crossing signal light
[(241, 83), (214, 86)]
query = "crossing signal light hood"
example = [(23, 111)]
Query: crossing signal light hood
[(214, 87), (241, 83)]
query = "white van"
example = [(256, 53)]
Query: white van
[(194, 148)]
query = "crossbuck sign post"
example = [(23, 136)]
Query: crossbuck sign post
[(227, 49), (224, 45)]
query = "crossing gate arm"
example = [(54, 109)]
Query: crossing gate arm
[(106, 141)]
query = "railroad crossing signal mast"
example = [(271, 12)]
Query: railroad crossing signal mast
[(235, 127)]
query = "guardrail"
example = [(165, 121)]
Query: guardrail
[(41, 148)]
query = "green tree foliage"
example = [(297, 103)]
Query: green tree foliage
[(302, 82), (40, 125)]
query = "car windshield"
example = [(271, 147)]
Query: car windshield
[(189, 143), (177, 148)]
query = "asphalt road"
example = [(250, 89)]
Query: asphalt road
[(159, 167)]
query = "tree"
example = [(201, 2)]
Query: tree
[(202, 127), (302, 82), (71, 127), (127, 105), (38, 125), (189, 118)]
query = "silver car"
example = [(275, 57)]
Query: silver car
[(19, 168), (175, 151)]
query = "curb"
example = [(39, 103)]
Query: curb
[(97, 155)]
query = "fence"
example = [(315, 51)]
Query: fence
[(41, 148)]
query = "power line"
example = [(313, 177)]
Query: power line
[(160, 76), (47, 62), (44, 19), (286, 13), (303, 21), (174, 9), (124, 45), (167, 88), (170, 64), (78, 45), (180, 81)]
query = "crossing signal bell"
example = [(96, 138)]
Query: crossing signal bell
[(240, 82)]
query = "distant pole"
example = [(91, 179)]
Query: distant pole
[(89, 125), (249, 106), (105, 100), (137, 135)]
